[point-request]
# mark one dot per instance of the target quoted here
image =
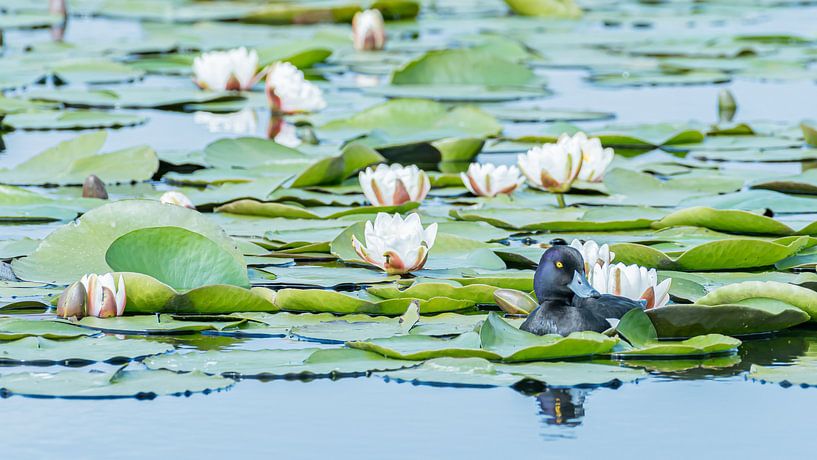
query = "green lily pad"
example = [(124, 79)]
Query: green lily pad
[(17, 328), (751, 316), (728, 254), (289, 211), (271, 364), (801, 183), (94, 71), (37, 350), (515, 345), (315, 300), (155, 324), (79, 248), (419, 347), (333, 170), (563, 220), (79, 119), (444, 67), (478, 293), (178, 257), (70, 162), (123, 383), (637, 328), (802, 298), (131, 97), (566, 9), (725, 220)]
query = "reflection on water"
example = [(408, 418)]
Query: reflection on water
[(562, 406)]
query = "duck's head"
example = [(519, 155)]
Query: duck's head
[(560, 275)]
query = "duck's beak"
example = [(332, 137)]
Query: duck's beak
[(581, 287)]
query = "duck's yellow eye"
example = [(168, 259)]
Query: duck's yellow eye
[(559, 264)]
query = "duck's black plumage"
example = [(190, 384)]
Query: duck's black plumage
[(567, 302)]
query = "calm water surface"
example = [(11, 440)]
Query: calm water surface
[(701, 413)]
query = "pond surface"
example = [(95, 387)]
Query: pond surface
[(703, 409)]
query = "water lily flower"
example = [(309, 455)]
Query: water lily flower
[(241, 122), (93, 187), (233, 70), (395, 245), (633, 282), (595, 158), (177, 198), (393, 185), (490, 180), (552, 167), (289, 92), (368, 30), (93, 295), (593, 255)]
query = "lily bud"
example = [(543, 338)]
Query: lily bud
[(177, 198), (368, 30), (233, 70), (93, 187), (72, 302), (514, 302), (552, 167), (394, 185), (726, 105), (289, 92), (490, 180), (395, 245)]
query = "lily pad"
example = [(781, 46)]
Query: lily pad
[(70, 162), (155, 324), (316, 300), (38, 351), (17, 328), (178, 257), (123, 383), (78, 119), (79, 248), (802, 298)]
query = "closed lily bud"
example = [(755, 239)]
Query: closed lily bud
[(93, 187), (177, 198), (514, 302), (233, 70), (726, 105), (490, 180), (552, 167), (289, 92), (369, 30), (395, 245), (72, 301), (393, 185)]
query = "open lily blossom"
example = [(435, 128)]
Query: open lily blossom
[(632, 281), (593, 255), (552, 167), (491, 180), (369, 30), (395, 245), (93, 295), (289, 92), (595, 158), (177, 198), (233, 70), (393, 185)]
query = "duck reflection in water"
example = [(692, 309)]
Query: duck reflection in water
[(562, 406)]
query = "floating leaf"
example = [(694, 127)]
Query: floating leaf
[(36, 350), (802, 298)]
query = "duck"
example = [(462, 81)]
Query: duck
[(567, 301)]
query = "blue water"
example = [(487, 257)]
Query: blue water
[(693, 414)]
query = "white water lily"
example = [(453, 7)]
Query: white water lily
[(177, 198), (104, 298), (490, 180), (595, 158), (289, 92), (368, 30), (552, 167), (631, 281), (395, 245), (241, 122), (232, 70), (393, 185), (593, 255)]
